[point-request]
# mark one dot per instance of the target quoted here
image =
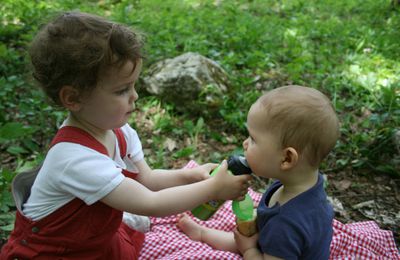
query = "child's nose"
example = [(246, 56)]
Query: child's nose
[(134, 96)]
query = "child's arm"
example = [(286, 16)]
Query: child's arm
[(247, 246), (133, 197), (160, 179)]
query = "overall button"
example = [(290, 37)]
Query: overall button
[(24, 242), (35, 229)]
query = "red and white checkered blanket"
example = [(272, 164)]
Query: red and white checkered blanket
[(360, 240)]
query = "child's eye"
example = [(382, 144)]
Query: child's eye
[(122, 91)]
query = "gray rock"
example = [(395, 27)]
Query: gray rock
[(190, 81)]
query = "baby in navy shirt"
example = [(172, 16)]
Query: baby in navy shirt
[(291, 130)]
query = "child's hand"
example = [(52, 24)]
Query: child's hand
[(229, 187), (244, 243), (201, 172)]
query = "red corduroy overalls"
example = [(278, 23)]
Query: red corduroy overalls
[(76, 230)]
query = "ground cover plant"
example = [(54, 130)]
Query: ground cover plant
[(347, 48)]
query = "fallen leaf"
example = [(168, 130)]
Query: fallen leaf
[(342, 185), (388, 220), (338, 207), (364, 204), (170, 144)]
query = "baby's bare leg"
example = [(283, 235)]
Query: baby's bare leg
[(217, 239)]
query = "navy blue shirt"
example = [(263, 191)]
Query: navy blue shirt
[(299, 229)]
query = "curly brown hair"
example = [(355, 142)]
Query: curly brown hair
[(76, 48)]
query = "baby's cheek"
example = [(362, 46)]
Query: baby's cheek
[(252, 164)]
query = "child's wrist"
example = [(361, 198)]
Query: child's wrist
[(188, 177), (215, 187)]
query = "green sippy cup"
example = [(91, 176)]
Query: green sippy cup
[(237, 165), (244, 209)]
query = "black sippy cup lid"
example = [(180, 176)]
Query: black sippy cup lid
[(237, 164)]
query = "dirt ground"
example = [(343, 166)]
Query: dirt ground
[(367, 198)]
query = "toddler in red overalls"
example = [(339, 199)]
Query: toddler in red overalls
[(72, 207)]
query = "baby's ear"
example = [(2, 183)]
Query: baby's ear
[(290, 158), (69, 97)]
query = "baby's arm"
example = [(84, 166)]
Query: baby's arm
[(133, 197), (160, 179)]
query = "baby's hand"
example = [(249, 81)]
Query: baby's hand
[(229, 187), (244, 243), (201, 172)]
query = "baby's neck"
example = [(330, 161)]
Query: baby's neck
[(293, 186), (300, 181)]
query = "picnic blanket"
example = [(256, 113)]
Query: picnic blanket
[(360, 240)]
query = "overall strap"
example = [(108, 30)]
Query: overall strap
[(121, 142), (77, 135), (72, 134)]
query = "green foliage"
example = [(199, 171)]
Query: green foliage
[(194, 129), (184, 152), (6, 178), (14, 131), (347, 49)]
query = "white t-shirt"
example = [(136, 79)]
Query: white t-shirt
[(72, 171)]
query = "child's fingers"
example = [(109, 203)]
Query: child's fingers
[(223, 170), (245, 180), (212, 166), (224, 166), (209, 167), (242, 197), (246, 177)]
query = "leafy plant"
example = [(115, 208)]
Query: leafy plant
[(347, 49), (194, 129)]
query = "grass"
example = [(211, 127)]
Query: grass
[(346, 48)]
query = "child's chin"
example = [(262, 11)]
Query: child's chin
[(121, 124)]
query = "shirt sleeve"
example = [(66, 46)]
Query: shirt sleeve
[(134, 145), (85, 173)]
